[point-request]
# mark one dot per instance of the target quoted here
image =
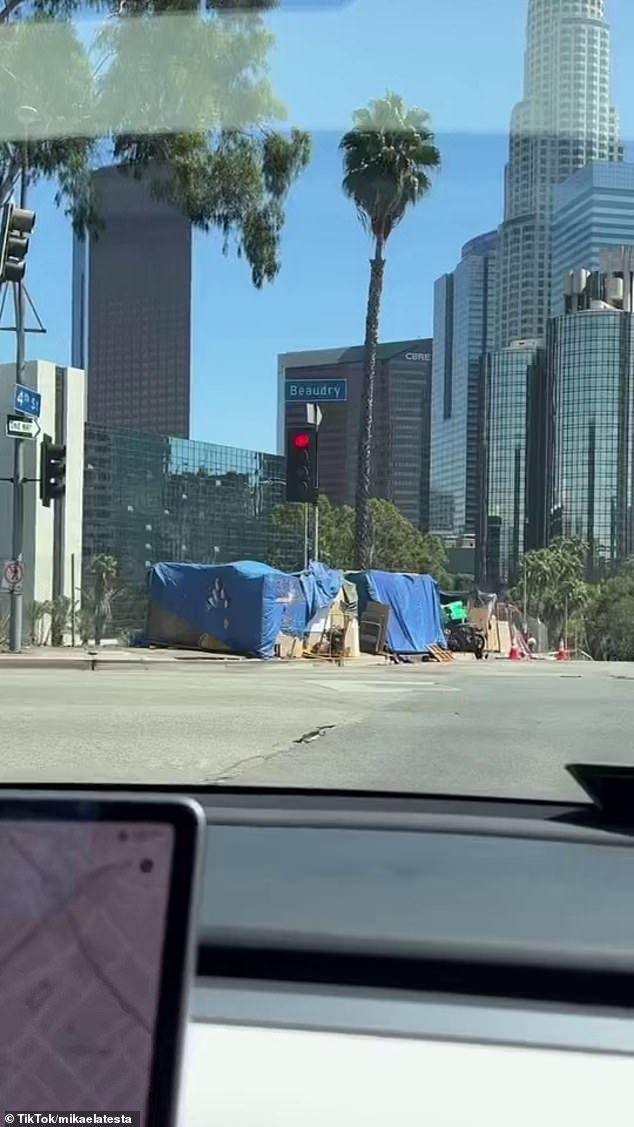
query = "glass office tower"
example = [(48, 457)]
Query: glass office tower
[(593, 210), (464, 322), (131, 325), (591, 354), (564, 121), (509, 378), (150, 498), (401, 427)]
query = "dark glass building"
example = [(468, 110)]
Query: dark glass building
[(512, 377), (464, 326), (132, 309), (401, 444), (558, 440), (148, 497), (593, 210), (591, 354)]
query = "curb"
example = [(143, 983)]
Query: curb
[(92, 663), (87, 663)]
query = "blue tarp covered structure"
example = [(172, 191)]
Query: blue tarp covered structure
[(236, 608), (415, 620), (320, 586)]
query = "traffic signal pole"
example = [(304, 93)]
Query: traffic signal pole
[(16, 605), (306, 552), (302, 474)]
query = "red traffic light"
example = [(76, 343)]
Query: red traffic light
[(302, 441)]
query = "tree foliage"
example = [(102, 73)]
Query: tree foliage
[(609, 618), (555, 583), (387, 156), (170, 89), (104, 572), (395, 545)]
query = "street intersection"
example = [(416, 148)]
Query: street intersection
[(493, 727)]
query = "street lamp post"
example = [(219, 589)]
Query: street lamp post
[(26, 115)]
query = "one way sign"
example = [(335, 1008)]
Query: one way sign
[(19, 427)]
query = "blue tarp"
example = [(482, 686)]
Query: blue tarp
[(415, 621), (320, 585), (237, 608)]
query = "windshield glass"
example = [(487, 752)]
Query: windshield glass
[(317, 392)]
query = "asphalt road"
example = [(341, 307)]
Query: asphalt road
[(492, 727)]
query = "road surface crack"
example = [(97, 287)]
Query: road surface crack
[(229, 772), (314, 734)]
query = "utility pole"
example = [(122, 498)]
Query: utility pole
[(525, 595), (314, 417), (302, 473), (305, 537), (26, 115)]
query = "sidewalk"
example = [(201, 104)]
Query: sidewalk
[(108, 657)]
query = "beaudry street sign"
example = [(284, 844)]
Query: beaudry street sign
[(316, 391)]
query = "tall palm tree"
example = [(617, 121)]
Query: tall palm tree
[(388, 156), (104, 570)]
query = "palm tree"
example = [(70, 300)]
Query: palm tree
[(387, 156), (104, 570)]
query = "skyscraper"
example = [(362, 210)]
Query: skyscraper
[(132, 309), (563, 122), (510, 377), (592, 210), (464, 308), (401, 429), (591, 371)]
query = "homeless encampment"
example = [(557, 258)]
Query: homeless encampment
[(415, 619), (238, 608)]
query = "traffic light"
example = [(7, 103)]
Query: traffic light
[(301, 464), (16, 225), (52, 471)]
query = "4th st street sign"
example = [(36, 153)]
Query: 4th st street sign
[(27, 401), (19, 427)]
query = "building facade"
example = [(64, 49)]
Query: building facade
[(52, 536), (559, 442), (564, 121), (592, 493), (150, 497), (402, 415), (132, 309), (464, 326), (593, 210), (591, 374), (512, 378)]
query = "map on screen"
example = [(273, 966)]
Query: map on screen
[(83, 910)]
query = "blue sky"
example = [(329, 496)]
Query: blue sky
[(460, 60)]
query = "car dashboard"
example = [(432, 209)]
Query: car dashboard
[(370, 958)]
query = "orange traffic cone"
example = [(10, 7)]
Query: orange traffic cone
[(562, 654), (514, 654)]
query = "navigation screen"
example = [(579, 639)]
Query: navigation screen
[(82, 919)]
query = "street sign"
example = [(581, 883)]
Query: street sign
[(27, 401), (313, 415), (12, 576), (19, 427), (317, 391)]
